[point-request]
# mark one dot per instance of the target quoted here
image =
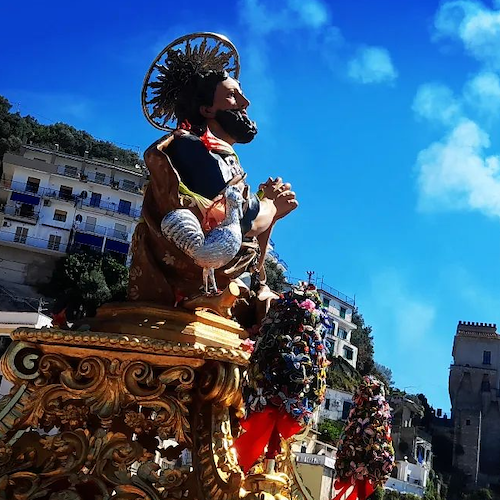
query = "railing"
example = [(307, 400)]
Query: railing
[(102, 231), (110, 207), (12, 210), (332, 291), (21, 187), (48, 192), (116, 234), (93, 177), (32, 241), (131, 188), (321, 285), (68, 171), (53, 193), (404, 487)]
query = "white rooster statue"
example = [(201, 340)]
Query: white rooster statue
[(215, 249)]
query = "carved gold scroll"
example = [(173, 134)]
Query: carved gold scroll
[(141, 403)]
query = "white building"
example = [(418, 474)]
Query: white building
[(52, 202), (340, 308), (336, 405), (273, 255), (412, 446)]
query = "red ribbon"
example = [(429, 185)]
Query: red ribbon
[(213, 143), (263, 429), (361, 489)]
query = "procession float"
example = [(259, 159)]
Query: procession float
[(193, 387)]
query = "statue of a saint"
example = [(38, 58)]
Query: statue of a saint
[(192, 91)]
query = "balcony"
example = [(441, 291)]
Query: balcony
[(335, 293), (31, 241), (102, 231), (21, 187), (404, 487), (98, 178), (33, 189), (109, 208), (67, 171), (116, 234), (21, 213), (129, 186), (57, 195)]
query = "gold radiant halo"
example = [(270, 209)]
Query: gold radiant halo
[(165, 119)]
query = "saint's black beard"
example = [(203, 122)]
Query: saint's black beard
[(237, 125)]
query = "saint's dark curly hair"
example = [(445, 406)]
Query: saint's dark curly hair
[(187, 81)]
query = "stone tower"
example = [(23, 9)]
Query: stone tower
[(474, 384)]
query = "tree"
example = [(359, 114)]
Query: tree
[(384, 373), (81, 282), (16, 130), (341, 375), (331, 430), (361, 338), (275, 277)]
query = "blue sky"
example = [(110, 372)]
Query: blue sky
[(383, 115)]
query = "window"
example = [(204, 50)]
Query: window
[(90, 224), (346, 408), (467, 422), (124, 207), (342, 334), (60, 215), (326, 302), (128, 185), (486, 357), (95, 199), (54, 242), (26, 210), (66, 193), (330, 344), (21, 234), (100, 177), (348, 353), (120, 231), (70, 171), (327, 404), (343, 310), (32, 185)]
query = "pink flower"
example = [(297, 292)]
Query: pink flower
[(307, 304), (247, 345)]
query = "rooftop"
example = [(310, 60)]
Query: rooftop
[(335, 293), (323, 287), (135, 169), (473, 329)]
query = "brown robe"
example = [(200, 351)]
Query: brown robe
[(160, 273)]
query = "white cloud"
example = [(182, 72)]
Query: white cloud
[(435, 102), (284, 16), (312, 12), (457, 173), (372, 65), (451, 16), (475, 25), (482, 93)]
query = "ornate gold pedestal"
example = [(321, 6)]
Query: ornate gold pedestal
[(144, 406)]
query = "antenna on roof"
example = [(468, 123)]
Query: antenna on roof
[(309, 276)]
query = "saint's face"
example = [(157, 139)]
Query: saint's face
[(228, 95), (229, 110)]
